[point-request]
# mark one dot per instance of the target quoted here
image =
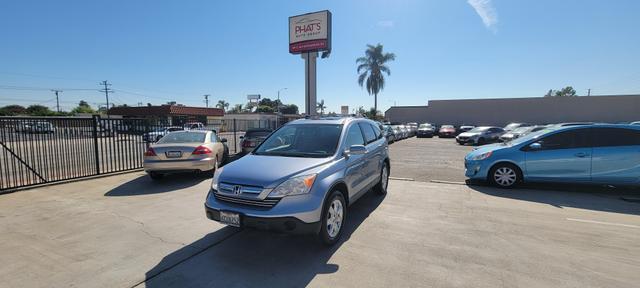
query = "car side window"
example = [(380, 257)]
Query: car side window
[(367, 130), (610, 137), (377, 131), (354, 136), (577, 138)]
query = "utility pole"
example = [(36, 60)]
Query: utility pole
[(57, 99), (278, 107), (106, 91), (206, 99)]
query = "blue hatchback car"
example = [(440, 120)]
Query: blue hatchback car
[(597, 153)]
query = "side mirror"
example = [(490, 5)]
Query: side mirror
[(223, 140), (535, 146), (356, 150), (241, 137)]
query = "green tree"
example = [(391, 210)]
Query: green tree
[(361, 111), (83, 108), (289, 109), (39, 110), (564, 92), (321, 107), (224, 105), (371, 69), (373, 114), (265, 109), (12, 110)]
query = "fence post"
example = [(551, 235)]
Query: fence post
[(235, 140), (95, 143)]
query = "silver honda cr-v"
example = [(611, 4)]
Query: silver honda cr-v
[(302, 177)]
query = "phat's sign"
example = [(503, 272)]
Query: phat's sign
[(310, 32)]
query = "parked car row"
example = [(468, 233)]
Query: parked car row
[(35, 127), (395, 133)]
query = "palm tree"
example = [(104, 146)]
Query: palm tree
[(371, 68), (321, 106), (222, 105), (236, 108)]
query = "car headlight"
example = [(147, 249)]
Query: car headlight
[(294, 186), (216, 175), (482, 156)]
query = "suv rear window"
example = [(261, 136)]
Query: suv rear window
[(367, 130)]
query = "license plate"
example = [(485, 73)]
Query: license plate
[(230, 218), (174, 154)]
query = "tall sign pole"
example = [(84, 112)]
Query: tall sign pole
[(310, 82), (309, 34)]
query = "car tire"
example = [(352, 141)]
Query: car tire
[(156, 175), (334, 215), (381, 187), (505, 175)]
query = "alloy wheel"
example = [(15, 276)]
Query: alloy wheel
[(334, 218)]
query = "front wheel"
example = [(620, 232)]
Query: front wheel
[(381, 187), (505, 175), (333, 218)]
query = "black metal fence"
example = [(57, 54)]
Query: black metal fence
[(50, 149)]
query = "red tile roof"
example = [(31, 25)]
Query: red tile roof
[(165, 110)]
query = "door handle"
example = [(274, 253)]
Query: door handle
[(581, 154)]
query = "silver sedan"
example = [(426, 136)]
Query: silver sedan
[(185, 151)]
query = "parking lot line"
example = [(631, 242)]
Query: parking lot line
[(400, 178), (603, 223)]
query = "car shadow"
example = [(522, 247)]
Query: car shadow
[(255, 258), (144, 185), (589, 197)]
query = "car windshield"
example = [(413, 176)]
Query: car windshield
[(479, 129), (425, 125), (520, 130), (302, 140), (512, 126), (446, 126), (530, 136), (183, 137), (257, 134)]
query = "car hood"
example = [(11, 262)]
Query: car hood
[(267, 171), (468, 134), (484, 149)]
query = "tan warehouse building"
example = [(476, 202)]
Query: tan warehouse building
[(536, 110)]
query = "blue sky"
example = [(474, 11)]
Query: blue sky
[(156, 51)]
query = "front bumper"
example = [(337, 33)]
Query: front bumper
[(465, 140), (424, 133), (281, 224), (306, 208), (204, 164), (474, 169)]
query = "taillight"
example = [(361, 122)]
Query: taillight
[(200, 150), (150, 152)]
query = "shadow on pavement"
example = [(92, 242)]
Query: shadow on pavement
[(254, 258), (576, 196), (143, 185)]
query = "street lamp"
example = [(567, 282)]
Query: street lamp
[(278, 107)]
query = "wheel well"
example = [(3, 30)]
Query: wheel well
[(518, 169), (340, 186), (386, 162)]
